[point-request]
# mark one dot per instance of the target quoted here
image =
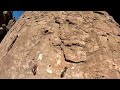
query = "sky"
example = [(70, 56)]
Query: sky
[(17, 14)]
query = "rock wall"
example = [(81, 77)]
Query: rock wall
[(6, 22), (62, 44)]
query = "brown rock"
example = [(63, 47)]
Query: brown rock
[(61, 44)]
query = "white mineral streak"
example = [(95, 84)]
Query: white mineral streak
[(58, 60), (49, 70), (40, 56)]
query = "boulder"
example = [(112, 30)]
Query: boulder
[(61, 45)]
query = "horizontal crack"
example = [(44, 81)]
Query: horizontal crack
[(99, 12), (74, 44), (73, 61), (70, 61), (67, 60)]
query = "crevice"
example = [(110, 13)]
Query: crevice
[(118, 35), (28, 18), (11, 45), (34, 69), (63, 72), (56, 21), (56, 44), (70, 61), (69, 45), (67, 60), (73, 44), (99, 12), (76, 44), (50, 65), (104, 35), (47, 32), (36, 21), (69, 22), (107, 33)]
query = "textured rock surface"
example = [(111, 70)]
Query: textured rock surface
[(61, 44), (6, 22)]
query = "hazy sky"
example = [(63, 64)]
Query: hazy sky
[(17, 14)]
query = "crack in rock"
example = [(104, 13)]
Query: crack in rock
[(73, 44), (70, 61), (69, 22), (34, 69), (11, 45), (99, 12), (67, 60), (68, 45), (63, 72)]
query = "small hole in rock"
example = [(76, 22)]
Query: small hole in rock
[(46, 31), (107, 33), (33, 59), (118, 35), (113, 65), (52, 43), (49, 65), (103, 35), (94, 18), (67, 20)]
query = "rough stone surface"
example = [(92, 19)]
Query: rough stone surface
[(6, 22), (61, 45)]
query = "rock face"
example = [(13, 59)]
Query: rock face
[(62, 44), (6, 22)]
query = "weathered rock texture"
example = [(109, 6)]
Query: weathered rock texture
[(62, 44), (6, 22)]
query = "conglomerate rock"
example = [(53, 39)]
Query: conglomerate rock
[(61, 44)]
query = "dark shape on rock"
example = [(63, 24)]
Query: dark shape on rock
[(6, 22), (63, 72)]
